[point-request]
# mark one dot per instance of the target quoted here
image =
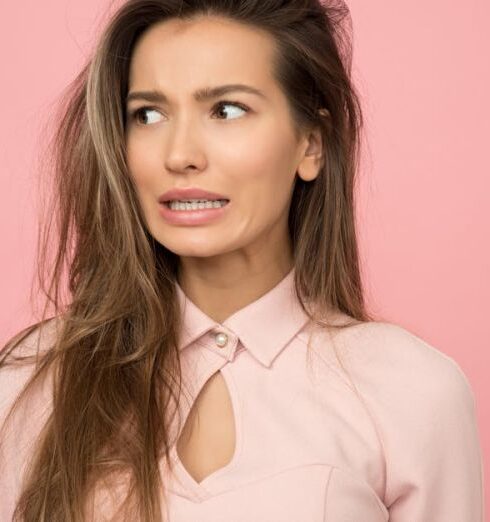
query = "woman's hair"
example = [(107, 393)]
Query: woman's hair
[(115, 363)]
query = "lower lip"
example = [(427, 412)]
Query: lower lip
[(191, 217)]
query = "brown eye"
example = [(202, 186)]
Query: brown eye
[(222, 104), (141, 112)]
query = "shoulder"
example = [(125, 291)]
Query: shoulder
[(400, 356), (20, 356), (33, 339), (404, 379), (393, 366), (423, 410), (22, 421)]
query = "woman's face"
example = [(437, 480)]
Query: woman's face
[(240, 145)]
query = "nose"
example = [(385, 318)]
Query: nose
[(184, 147)]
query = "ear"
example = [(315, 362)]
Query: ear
[(312, 159)]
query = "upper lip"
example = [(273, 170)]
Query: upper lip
[(188, 193)]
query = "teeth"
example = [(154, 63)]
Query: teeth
[(196, 204)]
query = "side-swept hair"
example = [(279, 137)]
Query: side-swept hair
[(114, 358)]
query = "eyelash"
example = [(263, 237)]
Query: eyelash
[(134, 114)]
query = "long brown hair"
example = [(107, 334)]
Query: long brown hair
[(114, 356)]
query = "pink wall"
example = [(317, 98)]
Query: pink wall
[(424, 76)]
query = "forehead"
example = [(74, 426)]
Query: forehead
[(205, 51)]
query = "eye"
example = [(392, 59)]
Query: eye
[(142, 110), (223, 103), (135, 115)]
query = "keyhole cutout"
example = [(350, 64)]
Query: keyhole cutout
[(208, 439)]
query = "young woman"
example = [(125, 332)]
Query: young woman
[(214, 360)]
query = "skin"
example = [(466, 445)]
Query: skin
[(250, 157)]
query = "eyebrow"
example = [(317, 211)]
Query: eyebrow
[(206, 93)]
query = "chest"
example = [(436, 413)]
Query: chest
[(207, 440), (262, 445)]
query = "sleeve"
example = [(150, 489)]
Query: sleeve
[(19, 434), (425, 414), (441, 476), (11, 380)]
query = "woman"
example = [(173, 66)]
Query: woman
[(205, 167)]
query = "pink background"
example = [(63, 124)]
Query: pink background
[(424, 75)]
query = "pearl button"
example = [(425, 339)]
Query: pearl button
[(221, 339)]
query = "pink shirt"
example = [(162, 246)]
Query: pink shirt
[(389, 435)]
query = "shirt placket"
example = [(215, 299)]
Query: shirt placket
[(209, 354)]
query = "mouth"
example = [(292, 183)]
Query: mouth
[(193, 205), (194, 213)]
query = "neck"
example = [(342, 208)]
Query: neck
[(220, 293)]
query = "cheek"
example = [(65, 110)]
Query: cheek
[(142, 163), (262, 170)]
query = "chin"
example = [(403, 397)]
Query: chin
[(193, 249)]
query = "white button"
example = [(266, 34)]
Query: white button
[(221, 339)]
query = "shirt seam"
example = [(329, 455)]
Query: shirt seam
[(347, 380)]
